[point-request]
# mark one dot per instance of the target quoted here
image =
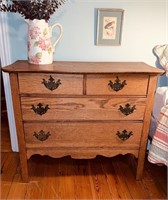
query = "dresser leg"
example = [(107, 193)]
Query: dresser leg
[(25, 178), (19, 125), (140, 166), (145, 130), (24, 169)]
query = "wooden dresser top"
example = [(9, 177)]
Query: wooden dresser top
[(67, 67)]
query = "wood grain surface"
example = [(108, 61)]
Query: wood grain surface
[(83, 114), (74, 109)]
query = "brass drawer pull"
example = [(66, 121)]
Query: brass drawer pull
[(51, 84), (40, 110), (127, 110), (125, 135), (42, 136), (117, 85)]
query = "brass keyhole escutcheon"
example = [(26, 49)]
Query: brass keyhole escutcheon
[(51, 84), (40, 109), (124, 135), (42, 136), (117, 85), (127, 109)]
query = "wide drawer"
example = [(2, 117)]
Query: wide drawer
[(128, 84), (70, 109), (83, 135), (34, 83)]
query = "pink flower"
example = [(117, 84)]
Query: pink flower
[(35, 60), (28, 46), (44, 44), (34, 32)]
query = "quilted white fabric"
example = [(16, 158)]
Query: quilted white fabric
[(162, 53), (161, 99)]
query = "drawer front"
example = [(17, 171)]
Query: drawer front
[(116, 85), (70, 109), (33, 83), (114, 135)]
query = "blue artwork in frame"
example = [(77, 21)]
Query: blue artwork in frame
[(109, 27)]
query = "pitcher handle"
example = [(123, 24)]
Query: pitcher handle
[(59, 36)]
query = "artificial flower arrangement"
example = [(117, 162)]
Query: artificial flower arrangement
[(37, 14), (31, 9)]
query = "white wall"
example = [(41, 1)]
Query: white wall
[(145, 25)]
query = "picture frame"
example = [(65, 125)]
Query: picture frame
[(109, 27)]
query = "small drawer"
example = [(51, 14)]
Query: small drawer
[(75, 109), (128, 84), (34, 83), (84, 134)]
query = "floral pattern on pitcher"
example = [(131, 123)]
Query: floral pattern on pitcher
[(34, 32), (40, 48), (36, 59), (43, 43)]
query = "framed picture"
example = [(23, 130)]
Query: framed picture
[(109, 27)]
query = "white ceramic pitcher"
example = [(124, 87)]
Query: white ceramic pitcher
[(40, 47)]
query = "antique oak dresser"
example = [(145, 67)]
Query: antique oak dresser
[(82, 109)]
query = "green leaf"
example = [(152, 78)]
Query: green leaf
[(36, 44), (39, 55), (50, 50), (45, 32)]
